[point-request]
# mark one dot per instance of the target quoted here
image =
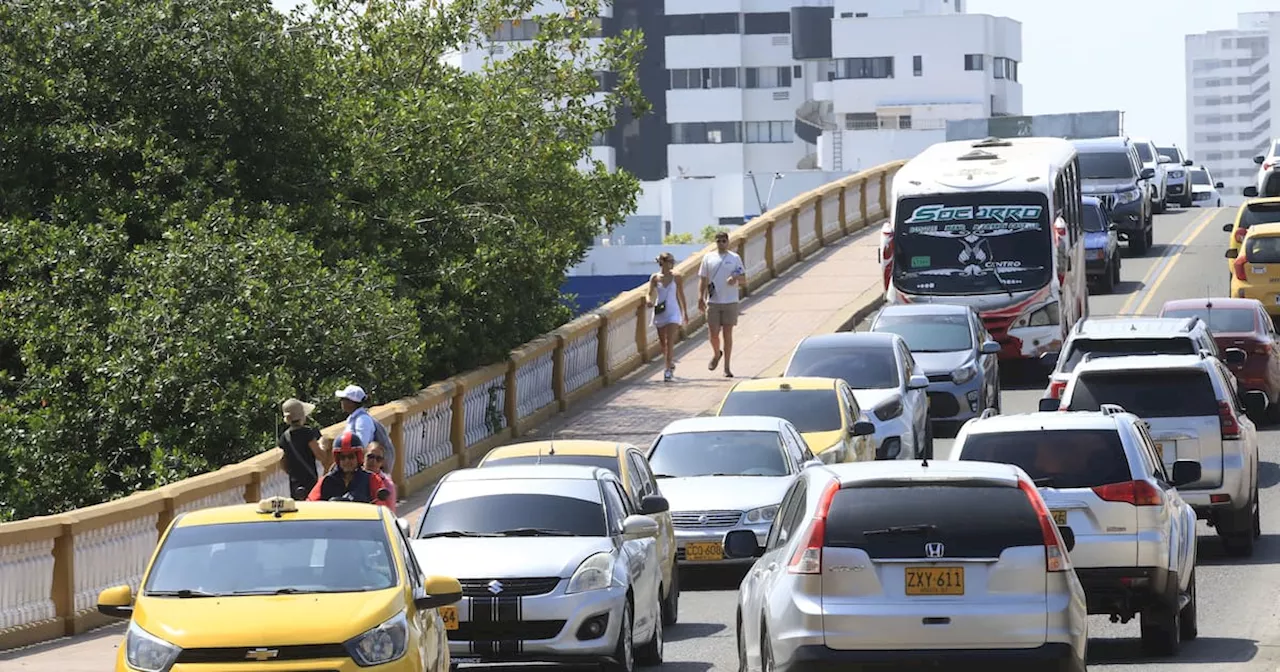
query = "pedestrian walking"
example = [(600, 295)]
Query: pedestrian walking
[(720, 281), (301, 446), (669, 312)]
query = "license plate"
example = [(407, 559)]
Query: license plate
[(1160, 450), (703, 551), (449, 614), (1259, 270), (935, 580), (1059, 517)]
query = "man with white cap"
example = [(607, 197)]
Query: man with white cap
[(360, 423)]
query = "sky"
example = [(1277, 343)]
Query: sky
[(1128, 55)]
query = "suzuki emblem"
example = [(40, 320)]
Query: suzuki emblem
[(495, 586), (933, 549), (261, 654), (702, 520)]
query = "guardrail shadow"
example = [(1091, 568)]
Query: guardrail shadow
[(1128, 651)]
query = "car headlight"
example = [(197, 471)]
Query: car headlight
[(1129, 196), (1043, 316), (146, 652), (889, 409), (595, 573), (964, 374), (1175, 174), (381, 644), (763, 514)]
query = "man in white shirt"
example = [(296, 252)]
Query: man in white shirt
[(720, 281)]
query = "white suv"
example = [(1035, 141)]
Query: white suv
[(1268, 173), (1195, 413), (1135, 537)]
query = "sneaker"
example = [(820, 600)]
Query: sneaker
[(668, 375)]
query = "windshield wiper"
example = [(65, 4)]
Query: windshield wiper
[(535, 532), (184, 593), (458, 533), (902, 529)]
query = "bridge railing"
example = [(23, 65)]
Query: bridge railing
[(52, 567)]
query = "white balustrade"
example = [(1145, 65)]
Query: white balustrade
[(484, 406), (427, 435), (831, 216), (112, 555), (622, 338), (783, 254), (535, 387), (581, 365), (754, 257), (224, 498), (276, 484), (806, 218), (27, 584)]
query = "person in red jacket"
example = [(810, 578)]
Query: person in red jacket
[(348, 480)]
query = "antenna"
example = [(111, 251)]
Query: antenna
[(551, 449), (924, 461)]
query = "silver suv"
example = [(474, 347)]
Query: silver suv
[(1117, 336), (1135, 549), (1196, 413), (901, 562)]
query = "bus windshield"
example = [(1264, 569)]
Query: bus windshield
[(975, 243)]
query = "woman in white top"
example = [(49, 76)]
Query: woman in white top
[(669, 312)]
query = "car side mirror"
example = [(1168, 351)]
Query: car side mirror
[(1188, 163), (1147, 173), (1231, 253), (863, 428), (116, 602), (639, 527), (917, 382), (809, 464), (440, 591), (1049, 405), (1255, 403), (990, 348), (1185, 471), (1234, 356), (654, 504), (1259, 159), (1219, 185), (1226, 228), (1068, 537), (742, 544), (1250, 192)]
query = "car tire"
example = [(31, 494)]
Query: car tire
[(624, 653), (1108, 283), (1235, 528), (1161, 626), (766, 652), (1187, 622), (928, 440), (1138, 243), (671, 605), (1115, 271), (651, 653), (742, 647)]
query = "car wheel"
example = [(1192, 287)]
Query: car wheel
[(1161, 627), (1190, 630), (1115, 270), (624, 652), (742, 647), (651, 652), (1235, 528), (766, 652), (1108, 282), (671, 605)]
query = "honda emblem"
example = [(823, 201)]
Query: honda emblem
[(933, 549)]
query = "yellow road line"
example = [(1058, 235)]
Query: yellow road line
[(1160, 263), (1173, 260)]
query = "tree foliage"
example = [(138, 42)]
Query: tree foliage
[(207, 207)]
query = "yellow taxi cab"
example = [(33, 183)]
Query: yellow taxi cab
[(1255, 267), (311, 585), (1253, 211), (823, 409), (630, 466)]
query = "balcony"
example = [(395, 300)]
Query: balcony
[(813, 118)]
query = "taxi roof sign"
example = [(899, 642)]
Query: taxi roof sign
[(277, 506)]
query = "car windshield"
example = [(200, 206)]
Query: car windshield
[(1262, 249), (1093, 218), (1078, 348), (1147, 393), (718, 453), (929, 333), (1199, 177), (1171, 152), (808, 410), (601, 461), (273, 557), (1144, 152), (1064, 458), (515, 507), (1259, 213), (864, 367), (1106, 166), (1220, 320)]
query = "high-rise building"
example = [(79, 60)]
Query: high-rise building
[(1229, 90)]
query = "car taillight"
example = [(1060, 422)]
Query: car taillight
[(808, 558), (1056, 388), (1227, 421), (1238, 267), (1056, 558), (1261, 349), (1267, 166), (1137, 493)]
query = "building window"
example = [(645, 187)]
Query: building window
[(706, 133), (515, 30), (1004, 68), (861, 121), (880, 67), (704, 78), (773, 23), (769, 131), (797, 71), (973, 62), (904, 121), (768, 78), (917, 65), (703, 24)]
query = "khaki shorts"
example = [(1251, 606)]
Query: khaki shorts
[(722, 314)]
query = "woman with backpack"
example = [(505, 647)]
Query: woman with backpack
[(301, 446)]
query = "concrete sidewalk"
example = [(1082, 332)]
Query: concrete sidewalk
[(837, 286)]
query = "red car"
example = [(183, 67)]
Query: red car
[(1242, 324)]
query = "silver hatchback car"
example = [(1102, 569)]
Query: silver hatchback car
[(901, 563)]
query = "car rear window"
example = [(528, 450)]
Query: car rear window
[(862, 367), (1259, 213), (1262, 250), (1063, 458), (808, 410), (601, 461), (1175, 345), (1148, 394), (971, 521), (1220, 320)]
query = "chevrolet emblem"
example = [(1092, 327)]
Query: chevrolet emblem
[(261, 654)]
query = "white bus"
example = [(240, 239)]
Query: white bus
[(994, 224)]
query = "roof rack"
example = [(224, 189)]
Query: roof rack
[(1111, 409), (992, 141)]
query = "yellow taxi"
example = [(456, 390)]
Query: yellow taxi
[(1255, 267), (823, 409), (1253, 211), (630, 466), (310, 585)]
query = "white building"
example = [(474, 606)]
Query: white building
[(1229, 85), (811, 90)]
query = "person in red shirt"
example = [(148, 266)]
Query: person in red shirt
[(348, 480)]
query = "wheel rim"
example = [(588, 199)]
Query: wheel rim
[(628, 635), (657, 635)]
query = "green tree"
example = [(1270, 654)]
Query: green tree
[(709, 233)]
